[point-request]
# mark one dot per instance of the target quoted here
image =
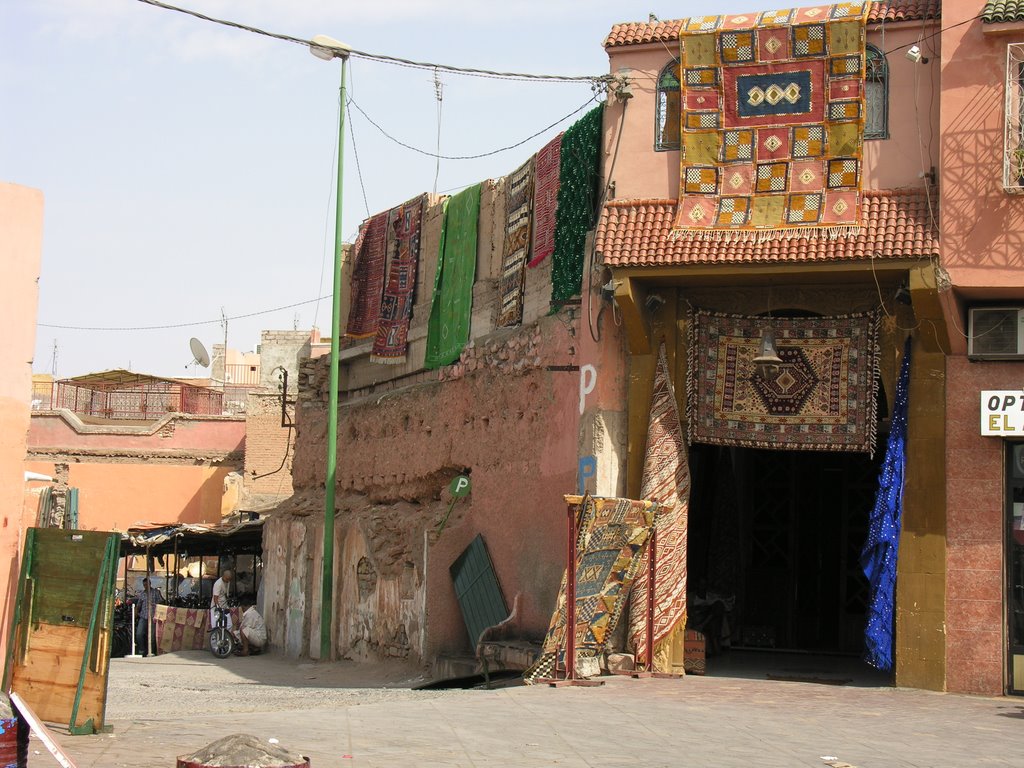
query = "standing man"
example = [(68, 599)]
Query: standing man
[(147, 612), (220, 598)]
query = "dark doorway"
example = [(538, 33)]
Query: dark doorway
[(779, 534)]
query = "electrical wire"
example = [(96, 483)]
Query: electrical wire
[(397, 60), (936, 33), (183, 325), (542, 131), (327, 216), (359, 167)]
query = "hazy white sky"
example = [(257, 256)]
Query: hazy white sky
[(187, 167)]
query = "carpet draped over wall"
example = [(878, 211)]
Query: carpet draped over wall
[(452, 305), (370, 257), (772, 123), (392, 339), (822, 396), (545, 200), (578, 194), (666, 480), (516, 250)]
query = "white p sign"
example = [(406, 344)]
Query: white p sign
[(588, 380)]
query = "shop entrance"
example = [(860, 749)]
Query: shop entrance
[(778, 534)]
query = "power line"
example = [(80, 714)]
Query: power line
[(933, 34), (217, 321), (469, 71), (401, 143)]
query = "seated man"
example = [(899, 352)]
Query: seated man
[(252, 631)]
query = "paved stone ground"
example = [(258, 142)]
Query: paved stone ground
[(172, 705)]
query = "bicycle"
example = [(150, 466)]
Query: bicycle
[(222, 642)]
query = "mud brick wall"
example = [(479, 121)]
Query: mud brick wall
[(269, 449)]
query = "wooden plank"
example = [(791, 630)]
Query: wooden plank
[(49, 677), (41, 731)]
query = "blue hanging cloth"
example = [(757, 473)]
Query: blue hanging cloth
[(878, 558)]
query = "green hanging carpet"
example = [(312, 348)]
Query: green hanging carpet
[(579, 185), (452, 305)]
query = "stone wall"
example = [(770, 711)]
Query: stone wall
[(500, 416), (269, 449)]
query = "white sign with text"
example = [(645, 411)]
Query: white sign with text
[(1002, 412)]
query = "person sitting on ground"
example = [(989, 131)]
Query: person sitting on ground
[(252, 631), (220, 598)]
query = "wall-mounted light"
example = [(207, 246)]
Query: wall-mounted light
[(654, 302), (767, 361), (915, 55)]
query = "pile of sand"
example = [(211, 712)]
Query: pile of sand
[(243, 751)]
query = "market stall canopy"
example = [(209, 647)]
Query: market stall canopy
[(194, 539)]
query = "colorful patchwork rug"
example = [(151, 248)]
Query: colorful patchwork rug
[(545, 200), (612, 534), (518, 215), (772, 123), (392, 339), (368, 277), (579, 180), (666, 480), (452, 305), (822, 396)]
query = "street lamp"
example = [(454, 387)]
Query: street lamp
[(327, 48)]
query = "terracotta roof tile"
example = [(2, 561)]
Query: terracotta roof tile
[(896, 225), (638, 33), (999, 11)]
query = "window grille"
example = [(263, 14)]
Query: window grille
[(1013, 135), (876, 94), (667, 106)]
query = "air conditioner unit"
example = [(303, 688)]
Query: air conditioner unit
[(995, 333)]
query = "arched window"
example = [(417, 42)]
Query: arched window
[(666, 119), (876, 95)]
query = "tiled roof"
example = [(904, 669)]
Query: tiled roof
[(637, 33), (896, 225), (997, 11)]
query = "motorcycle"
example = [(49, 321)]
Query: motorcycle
[(222, 642)]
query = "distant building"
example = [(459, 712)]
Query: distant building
[(138, 448)]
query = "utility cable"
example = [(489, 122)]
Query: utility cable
[(217, 321), (542, 131), (397, 60)]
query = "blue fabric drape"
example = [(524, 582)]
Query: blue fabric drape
[(878, 558)]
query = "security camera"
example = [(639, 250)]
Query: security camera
[(914, 53)]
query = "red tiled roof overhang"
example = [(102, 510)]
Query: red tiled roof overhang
[(886, 11), (896, 224)]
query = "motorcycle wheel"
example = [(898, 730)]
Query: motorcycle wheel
[(221, 643)]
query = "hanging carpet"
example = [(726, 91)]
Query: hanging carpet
[(518, 215), (370, 253), (545, 200), (611, 535), (666, 480), (878, 557), (452, 305), (772, 123), (822, 396), (579, 179), (392, 340)]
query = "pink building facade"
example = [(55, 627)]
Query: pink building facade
[(21, 221)]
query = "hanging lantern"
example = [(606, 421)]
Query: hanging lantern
[(767, 360)]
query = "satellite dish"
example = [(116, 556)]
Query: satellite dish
[(202, 357)]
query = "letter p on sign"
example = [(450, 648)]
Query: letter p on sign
[(588, 380)]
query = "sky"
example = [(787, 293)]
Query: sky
[(188, 168)]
